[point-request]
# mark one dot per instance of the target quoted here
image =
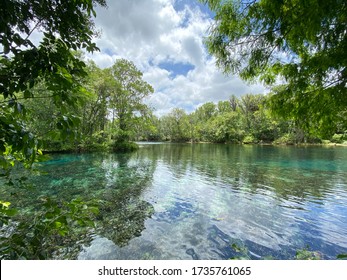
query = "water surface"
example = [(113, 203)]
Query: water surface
[(183, 201)]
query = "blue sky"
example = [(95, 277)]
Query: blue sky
[(164, 38), (176, 69)]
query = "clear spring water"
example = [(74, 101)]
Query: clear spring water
[(183, 201)]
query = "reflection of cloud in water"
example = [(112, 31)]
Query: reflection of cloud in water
[(177, 212), (102, 248), (257, 217), (195, 201)]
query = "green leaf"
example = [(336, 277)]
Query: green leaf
[(57, 224), (5, 204)]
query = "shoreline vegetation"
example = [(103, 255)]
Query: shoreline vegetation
[(239, 120), (137, 144)]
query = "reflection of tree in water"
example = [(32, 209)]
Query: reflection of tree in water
[(286, 171), (122, 211)]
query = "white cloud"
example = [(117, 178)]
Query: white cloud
[(152, 32)]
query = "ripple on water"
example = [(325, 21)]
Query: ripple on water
[(204, 198)]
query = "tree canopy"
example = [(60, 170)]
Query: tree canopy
[(110, 113), (128, 93), (298, 44), (65, 26)]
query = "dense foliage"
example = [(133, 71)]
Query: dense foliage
[(105, 117), (300, 44), (24, 64), (114, 113), (248, 119), (49, 71), (110, 117)]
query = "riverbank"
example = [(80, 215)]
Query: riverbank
[(328, 144)]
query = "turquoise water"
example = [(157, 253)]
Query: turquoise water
[(183, 201)]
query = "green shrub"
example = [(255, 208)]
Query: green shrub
[(286, 139), (337, 138), (249, 139), (326, 142)]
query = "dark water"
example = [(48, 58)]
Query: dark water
[(182, 201)]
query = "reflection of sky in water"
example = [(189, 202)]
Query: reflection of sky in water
[(270, 207), (272, 200)]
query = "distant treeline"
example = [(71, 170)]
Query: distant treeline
[(247, 120)]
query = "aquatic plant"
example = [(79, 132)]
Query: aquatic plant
[(43, 234)]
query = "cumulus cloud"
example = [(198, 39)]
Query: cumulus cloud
[(152, 33)]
